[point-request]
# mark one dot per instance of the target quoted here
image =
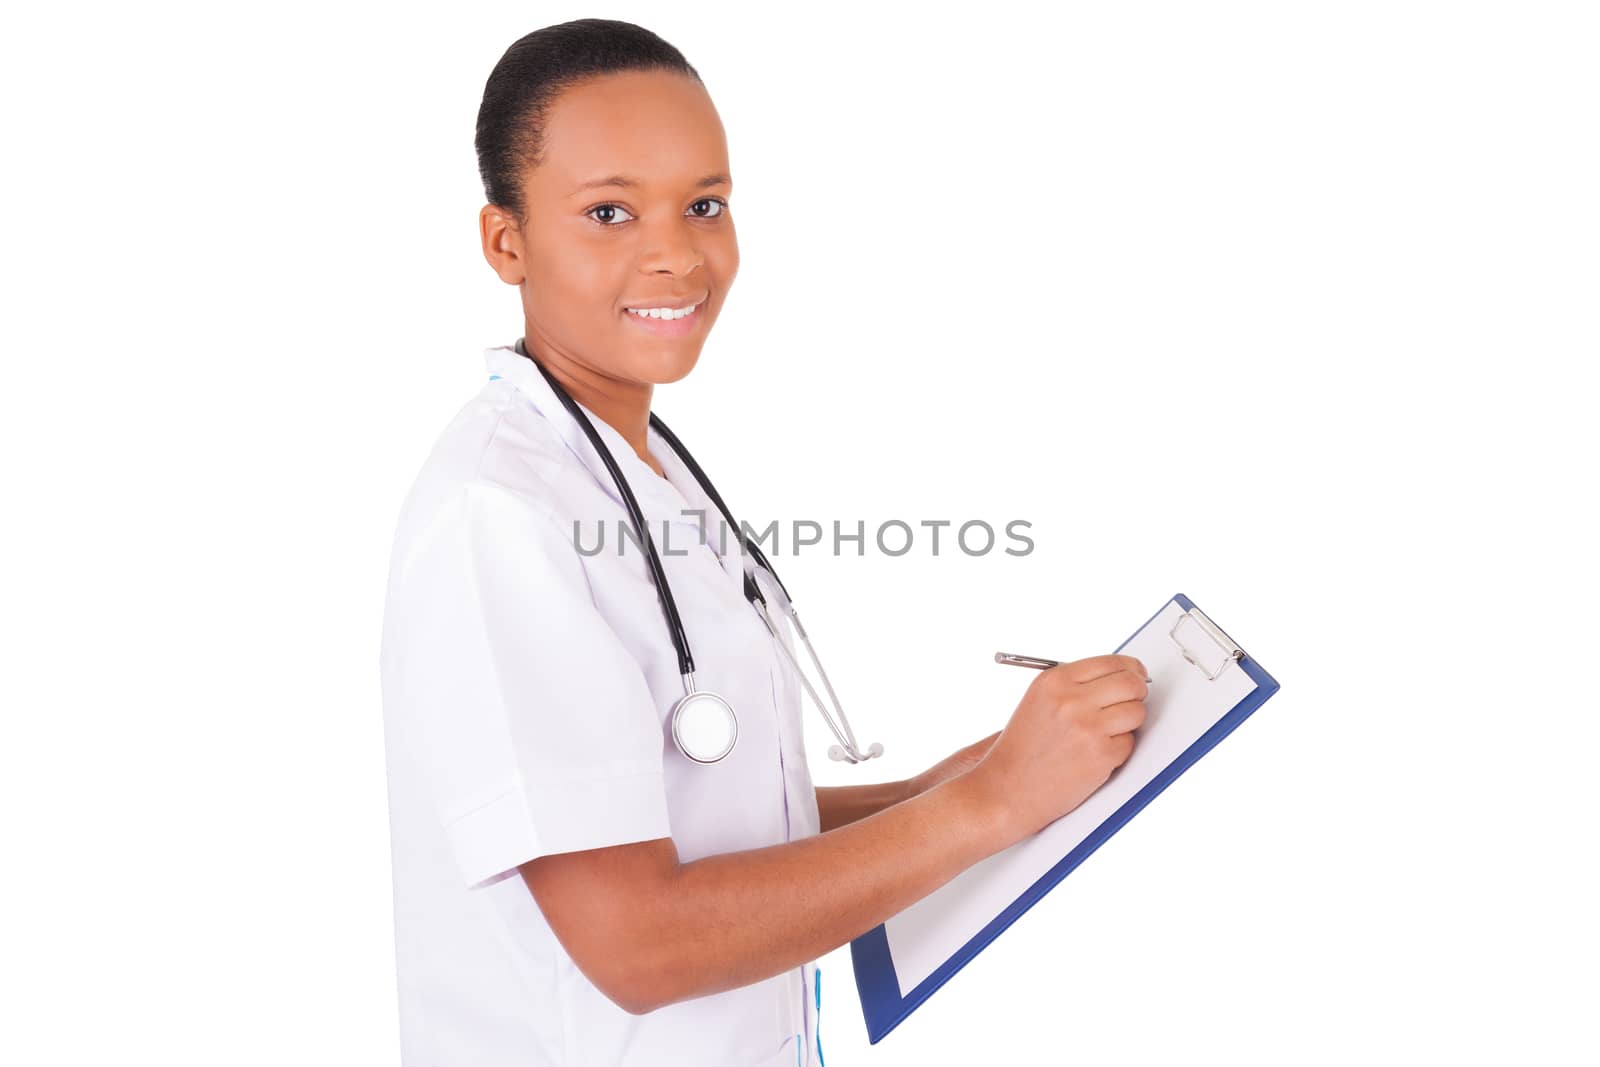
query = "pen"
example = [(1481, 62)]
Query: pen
[(1014, 660)]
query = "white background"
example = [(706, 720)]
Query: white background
[(1291, 308)]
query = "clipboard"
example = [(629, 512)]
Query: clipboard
[(1203, 686)]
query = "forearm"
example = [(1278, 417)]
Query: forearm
[(736, 918), (839, 805)]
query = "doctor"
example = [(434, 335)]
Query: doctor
[(578, 879)]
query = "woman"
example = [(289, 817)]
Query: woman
[(571, 885)]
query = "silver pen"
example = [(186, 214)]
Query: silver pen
[(1014, 660)]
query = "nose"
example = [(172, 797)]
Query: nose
[(672, 247)]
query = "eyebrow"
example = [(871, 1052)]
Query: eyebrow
[(624, 182)]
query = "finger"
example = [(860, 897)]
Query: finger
[(1116, 687), (1122, 717), (1087, 670)]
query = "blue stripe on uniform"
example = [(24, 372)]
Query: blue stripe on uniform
[(817, 974)]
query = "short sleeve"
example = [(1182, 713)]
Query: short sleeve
[(530, 722)]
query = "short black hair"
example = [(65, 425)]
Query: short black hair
[(533, 72)]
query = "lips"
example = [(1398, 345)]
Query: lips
[(673, 302), (679, 327)]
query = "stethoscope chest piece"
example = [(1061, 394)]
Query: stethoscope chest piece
[(704, 726)]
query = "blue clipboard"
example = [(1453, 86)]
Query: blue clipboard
[(879, 986)]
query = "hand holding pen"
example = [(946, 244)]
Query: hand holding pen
[(1073, 728)]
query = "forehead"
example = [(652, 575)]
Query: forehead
[(658, 127)]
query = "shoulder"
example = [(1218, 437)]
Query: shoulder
[(500, 466)]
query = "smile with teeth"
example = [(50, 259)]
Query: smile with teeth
[(664, 313)]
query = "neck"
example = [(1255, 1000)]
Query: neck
[(622, 405)]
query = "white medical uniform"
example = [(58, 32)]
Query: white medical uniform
[(526, 692)]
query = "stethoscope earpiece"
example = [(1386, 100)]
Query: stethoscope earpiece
[(837, 753)]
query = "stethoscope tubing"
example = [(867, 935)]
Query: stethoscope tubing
[(840, 729), (680, 639), (716, 498)]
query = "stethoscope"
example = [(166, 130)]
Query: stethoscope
[(704, 725)]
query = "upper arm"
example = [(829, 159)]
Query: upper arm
[(600, 903), (526, 717)]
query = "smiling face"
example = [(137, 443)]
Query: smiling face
[(659, 236)]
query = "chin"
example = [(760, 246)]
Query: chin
[(665, 366)]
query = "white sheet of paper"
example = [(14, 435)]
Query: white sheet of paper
[(1183, 704)]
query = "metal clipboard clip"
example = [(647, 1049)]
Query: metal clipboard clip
[(1203, 643)]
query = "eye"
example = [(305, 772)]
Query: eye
[(606, 207), (611, 220)]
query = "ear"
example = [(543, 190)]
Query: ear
[(502, 243)]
